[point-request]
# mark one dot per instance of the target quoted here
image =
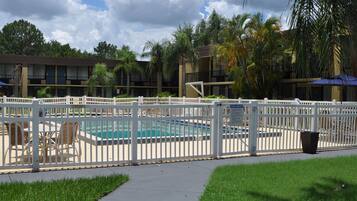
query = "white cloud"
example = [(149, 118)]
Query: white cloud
[(83, 27), (159, 12), (224, 8), (62, 36), (130, 22), (270, 8), (263, 5)]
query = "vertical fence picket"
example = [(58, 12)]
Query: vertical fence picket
[(134, 132), (253, 126), (35, 134)]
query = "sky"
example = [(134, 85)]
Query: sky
[(84, 23)]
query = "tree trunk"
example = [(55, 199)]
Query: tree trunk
[(128, 84), (159, 81)]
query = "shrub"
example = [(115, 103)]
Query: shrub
[(124, 96), (216, 96), (165, 94)]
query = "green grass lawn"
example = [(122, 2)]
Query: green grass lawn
[(311, 180), (81, 189)]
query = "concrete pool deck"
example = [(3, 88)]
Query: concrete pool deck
[(171, 181)]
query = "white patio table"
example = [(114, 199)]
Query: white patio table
[(46, 131)]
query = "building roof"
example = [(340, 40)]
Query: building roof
[(66, 61)]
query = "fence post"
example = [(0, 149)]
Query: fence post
[(84, 100), (335, 122), (35, 131), (314, 120), (134, 132), (141, 100), (253, 128), (297, 113), (170, 107), (68, 100), (4, 100), (265, 112), (114, 103), (216, 130)]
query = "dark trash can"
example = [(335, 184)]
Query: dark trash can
[(309, 141)]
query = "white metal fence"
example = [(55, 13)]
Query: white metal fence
[(80, 131)]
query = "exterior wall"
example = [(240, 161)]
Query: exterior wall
[(212, 73), (64, 76)]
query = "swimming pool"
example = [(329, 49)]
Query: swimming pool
[(156, 131), (122, 130)]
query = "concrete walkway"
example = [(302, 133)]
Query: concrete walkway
[(174, 181)]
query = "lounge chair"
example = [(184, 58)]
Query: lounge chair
[(18, 138), (66, 139)]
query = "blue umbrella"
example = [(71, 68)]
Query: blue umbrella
[(338, 80)]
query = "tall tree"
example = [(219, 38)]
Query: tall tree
[(253, 49), (156, 52), (268, 51), (234, 47), (128, 64), (182, 49), (318, 27), (215, 25), (22, 38), (201, 35), (101, 77), (105, 50), (56, 49)]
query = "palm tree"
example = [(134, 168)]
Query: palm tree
[(318, 27), (234, 50), (267, 54), (127, 64), (156, 52), (44, 93), (101, 76), (182, 49), (252, 48)]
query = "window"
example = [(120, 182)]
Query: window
[(77, 73), (37, 71), (50, 74), (61, 74), (7, 70)]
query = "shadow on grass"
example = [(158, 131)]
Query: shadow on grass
[(327, 189), (331, 189)]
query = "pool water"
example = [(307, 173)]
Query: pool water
[(121, 130), (155, 129), (127, 134)]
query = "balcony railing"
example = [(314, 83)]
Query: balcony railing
[(77, 77), (204, 76), (36, 77)]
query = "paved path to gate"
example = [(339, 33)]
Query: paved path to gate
[(173, 181)]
